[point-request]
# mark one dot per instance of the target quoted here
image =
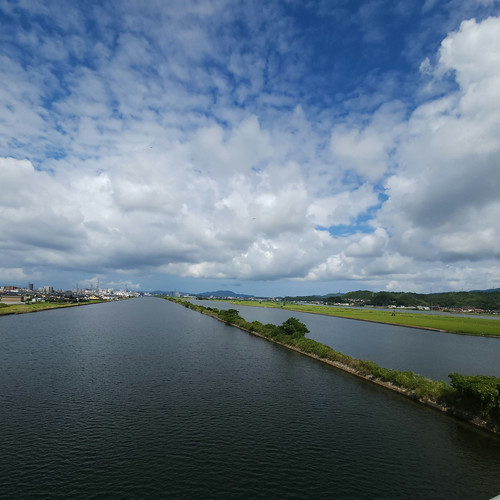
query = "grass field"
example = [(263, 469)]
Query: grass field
[(38, 306), (466, 326)]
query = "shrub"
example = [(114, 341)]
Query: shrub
[(480, 391), (293, 327)]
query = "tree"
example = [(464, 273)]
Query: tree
[(293, 327), (230, 315)]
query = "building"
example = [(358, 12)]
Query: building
[(11, 299)]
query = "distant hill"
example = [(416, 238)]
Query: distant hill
[(223, 293), (218, 294), (482, 299), (312, 298)]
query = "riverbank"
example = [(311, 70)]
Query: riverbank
[(41, 306), (473, 400), (461, 415), (449, 324)]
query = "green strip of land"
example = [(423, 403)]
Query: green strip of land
[(474, 399), (453, 324), (6, 309)]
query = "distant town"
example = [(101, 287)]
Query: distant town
[(12, 294)]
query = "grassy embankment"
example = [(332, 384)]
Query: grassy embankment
[(452, 324), (6, 309), (474, 399)]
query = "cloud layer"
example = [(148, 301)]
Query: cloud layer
[(198, 140)]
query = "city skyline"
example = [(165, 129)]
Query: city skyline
[(269, 148)]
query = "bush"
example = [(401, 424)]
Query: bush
[(293, 327), (480, 391), (230, 315)]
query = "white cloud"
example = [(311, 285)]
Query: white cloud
[(342, 208), (246, 147), (470, 52), (425, 67), (171, 146), (126, 284), (445, 192), (369, 245), (13, 274), (366, 148)]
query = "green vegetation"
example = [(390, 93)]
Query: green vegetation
[(469, 397), (480, 300), (453, 324), (293, 327), (486, 300), (39, 306), (480, 392)]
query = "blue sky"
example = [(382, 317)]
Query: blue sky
[(278, 147)]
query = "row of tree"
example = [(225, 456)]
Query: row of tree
[(292, 327)]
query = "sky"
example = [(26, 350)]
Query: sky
[(271, 147)]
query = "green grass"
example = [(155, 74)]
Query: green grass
[(38, 306), (469, 326)]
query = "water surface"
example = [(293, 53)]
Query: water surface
[(146, 399), (429, 353)]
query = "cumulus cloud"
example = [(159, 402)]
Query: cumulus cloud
[(247, 147), (14, 274), (342, 208), (442, 198), (445, 192), (367, 148), (192, 151)]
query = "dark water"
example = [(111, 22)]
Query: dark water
[(432, 354), (146, 399)]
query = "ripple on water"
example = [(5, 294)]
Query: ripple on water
[(146, 399)]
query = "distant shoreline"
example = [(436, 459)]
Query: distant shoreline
[(404, 326), (454, 323), (44, 308)]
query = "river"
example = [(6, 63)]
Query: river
[(146, 399), (429, 353)]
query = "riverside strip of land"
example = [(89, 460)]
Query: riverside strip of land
[(452, 324), (474, 399), (39, 306)]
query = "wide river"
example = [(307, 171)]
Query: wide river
[(146, 399)]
